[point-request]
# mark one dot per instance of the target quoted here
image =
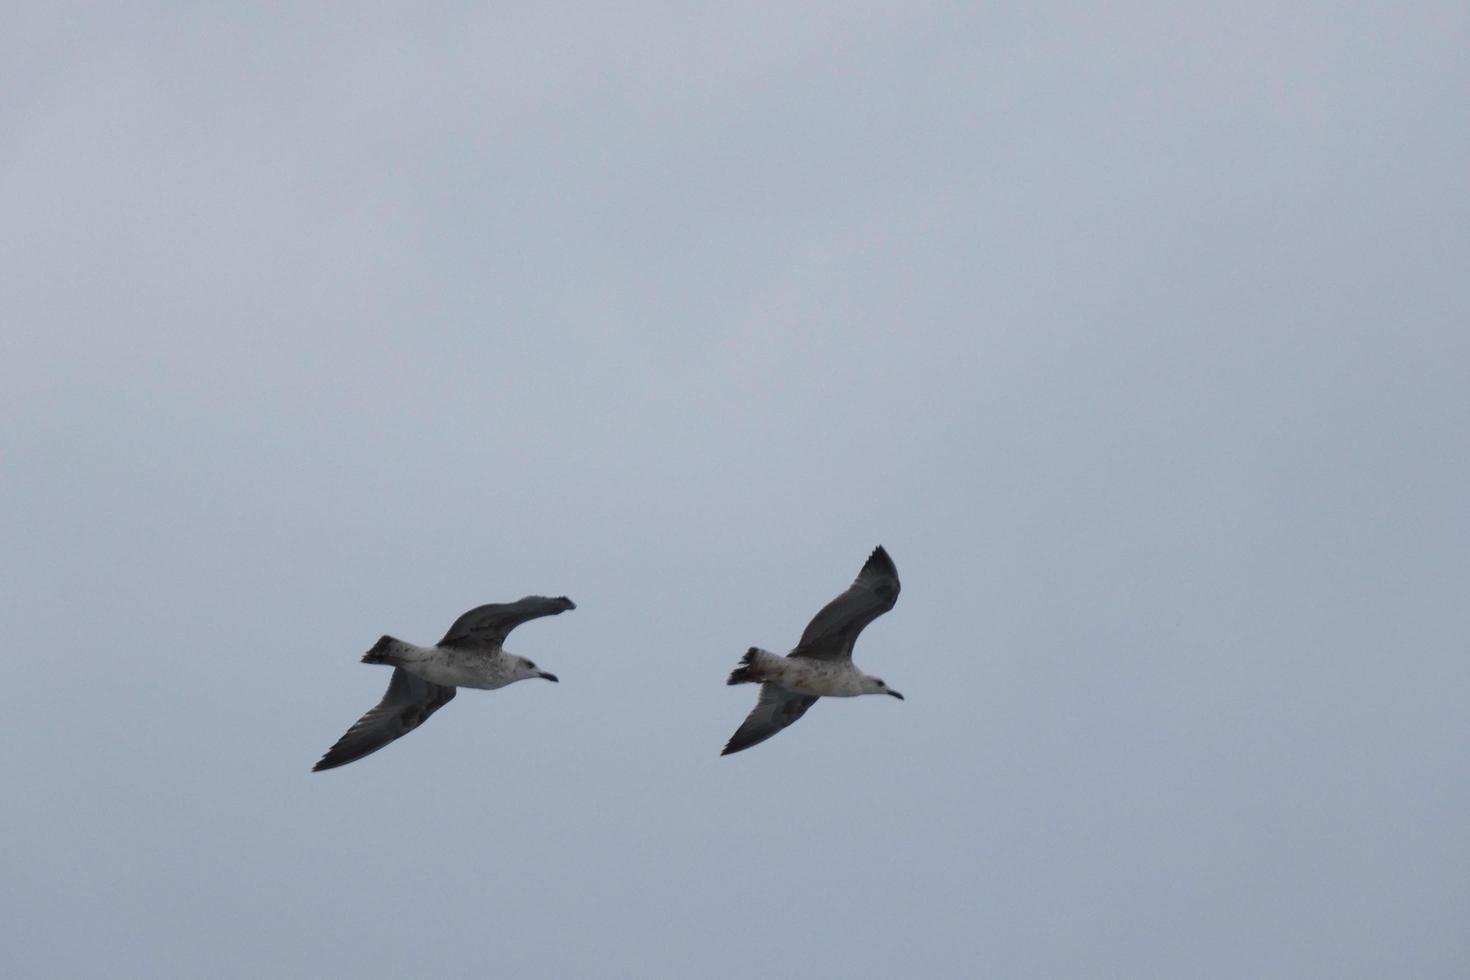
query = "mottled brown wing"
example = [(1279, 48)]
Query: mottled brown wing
[(833, 630), (408, 704), (487, 626), (776, 709)]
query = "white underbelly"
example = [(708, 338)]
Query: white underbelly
[(458, 672), (827, 680)]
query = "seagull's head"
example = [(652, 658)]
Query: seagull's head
[(872, 685), (525, 670)]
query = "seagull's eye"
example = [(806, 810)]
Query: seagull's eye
[(881, 684)]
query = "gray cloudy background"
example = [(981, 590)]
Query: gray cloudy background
[(1137, 333)]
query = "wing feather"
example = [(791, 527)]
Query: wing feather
[(835, 628), (774, 710), (488, 626), (407, 704)]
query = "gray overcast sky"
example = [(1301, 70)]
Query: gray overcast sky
[(1136, 332)]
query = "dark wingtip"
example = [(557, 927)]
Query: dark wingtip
[(335, 758), (737, 745), (879, 567), (561, 602)]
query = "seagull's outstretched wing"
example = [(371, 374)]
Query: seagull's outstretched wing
[(832, 631), (776, 709), (407, 705), (487, 626)]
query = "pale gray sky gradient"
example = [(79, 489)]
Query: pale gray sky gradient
[(1136, 332)]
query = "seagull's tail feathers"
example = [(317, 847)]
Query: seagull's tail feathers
[(385, 651), (749, 671)]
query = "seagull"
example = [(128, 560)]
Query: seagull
[(424, 679), (821, 665)]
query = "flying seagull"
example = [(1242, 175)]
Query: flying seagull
[(821, 665), (424, 678)]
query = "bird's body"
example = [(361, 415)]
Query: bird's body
[(472, 654), (821, 664), (450, 667), (804, 675)]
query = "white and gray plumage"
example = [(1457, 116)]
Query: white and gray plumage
[(424, 679), (821, 665)]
